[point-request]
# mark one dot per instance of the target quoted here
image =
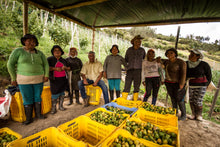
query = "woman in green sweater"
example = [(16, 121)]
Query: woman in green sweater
[(29, 69)]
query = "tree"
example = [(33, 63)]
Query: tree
[(207, 38), (59, 35), (35, 25), (143, 31)]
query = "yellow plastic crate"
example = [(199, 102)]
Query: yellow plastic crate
[(104, 110), (128, 103), (9, 131), (50, 137), (46, 100), (156, 118), (95, 93), (146, 103), (168, 128), (17, 107), (86, 130), (108, 142)]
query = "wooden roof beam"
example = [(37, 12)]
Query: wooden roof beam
[(25, 17), (80, 4)]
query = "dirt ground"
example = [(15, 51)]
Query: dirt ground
[(192, 133)]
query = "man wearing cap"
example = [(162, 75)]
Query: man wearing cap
[(134, 56), (91, 73), (199, 75)]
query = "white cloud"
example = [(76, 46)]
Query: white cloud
[(197, 29)]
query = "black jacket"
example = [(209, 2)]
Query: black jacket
[(201, 75), (52, 62)]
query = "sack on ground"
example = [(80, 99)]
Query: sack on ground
[(5, 104)]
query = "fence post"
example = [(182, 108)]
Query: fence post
[(214, 100)]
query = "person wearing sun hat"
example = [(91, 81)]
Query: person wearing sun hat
[(112, 70), (74, 74), (58, 77), (29, 69), (199, 75), (134, 57)]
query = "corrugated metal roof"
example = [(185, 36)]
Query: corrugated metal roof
[(121, 13)]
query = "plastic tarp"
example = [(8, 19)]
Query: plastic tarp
[(115, 13)]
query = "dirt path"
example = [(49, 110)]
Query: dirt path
[(192, 133)]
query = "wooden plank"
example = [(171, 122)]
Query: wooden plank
[(177, 37), (214, 100), (79, 4), (93, 38)]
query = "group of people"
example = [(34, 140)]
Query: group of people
[(29, 69), (177, 73)]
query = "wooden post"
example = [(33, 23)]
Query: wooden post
[(99, 44), (25, 17), (177, 37), (214, 100), (93, 38)]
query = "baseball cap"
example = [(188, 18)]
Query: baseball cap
[(197, 52)]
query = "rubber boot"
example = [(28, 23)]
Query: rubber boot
[(135, 96), (111, 92), (84, 102), (28, 112), (124, 95), (87, 100), (199, 113), (54, 106), (37, 108), (118, 92), (182, 107), (154, 100), (61, 99), (71, 100), (77, 97), (193, 109)]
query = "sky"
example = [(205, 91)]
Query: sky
[(197, 29)]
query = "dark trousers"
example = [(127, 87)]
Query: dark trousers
[(175, 93), (152, 84), (135, 76)]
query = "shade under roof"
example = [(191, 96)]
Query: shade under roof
[(124, 13)]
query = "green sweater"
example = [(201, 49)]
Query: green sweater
[(27, 64)]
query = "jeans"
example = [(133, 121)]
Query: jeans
[(101, 84), (31, 93)]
